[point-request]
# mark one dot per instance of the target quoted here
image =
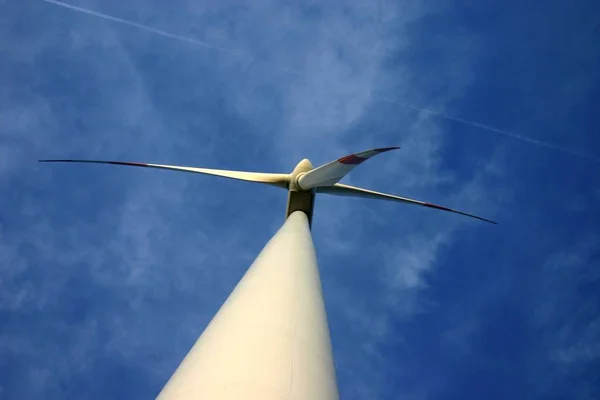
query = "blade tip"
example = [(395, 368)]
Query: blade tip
[(383, 149), (484, 219)]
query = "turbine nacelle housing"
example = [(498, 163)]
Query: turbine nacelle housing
[(300, 169)]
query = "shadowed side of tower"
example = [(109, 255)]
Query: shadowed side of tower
[(270, 339), (298, 199)]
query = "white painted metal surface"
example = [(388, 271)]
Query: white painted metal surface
[(270, 339), (330, 173)]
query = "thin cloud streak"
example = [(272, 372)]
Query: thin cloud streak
[(235, 52), (142, 27), (491, 129)]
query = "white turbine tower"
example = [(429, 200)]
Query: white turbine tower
[(270, 339)]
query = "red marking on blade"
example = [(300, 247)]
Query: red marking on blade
[(351, 160)]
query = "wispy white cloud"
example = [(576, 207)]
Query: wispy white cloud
[(128, 253), (151, 246), (335, 30), (564, 306)]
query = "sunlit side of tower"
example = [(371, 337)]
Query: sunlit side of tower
[(270, 339)]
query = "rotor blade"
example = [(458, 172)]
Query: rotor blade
[(346, 190), (279, 180), (330, 173)]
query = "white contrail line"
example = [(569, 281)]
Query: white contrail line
[(298, 73), (143, 27), (504, 132), (169, 35)]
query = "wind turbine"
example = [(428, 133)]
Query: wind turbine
[(270, 339)]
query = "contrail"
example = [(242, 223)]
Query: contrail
[(510, 134), (143, 27), (169, 35), (298, 73)]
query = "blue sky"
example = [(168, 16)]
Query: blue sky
[(108, 275)]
